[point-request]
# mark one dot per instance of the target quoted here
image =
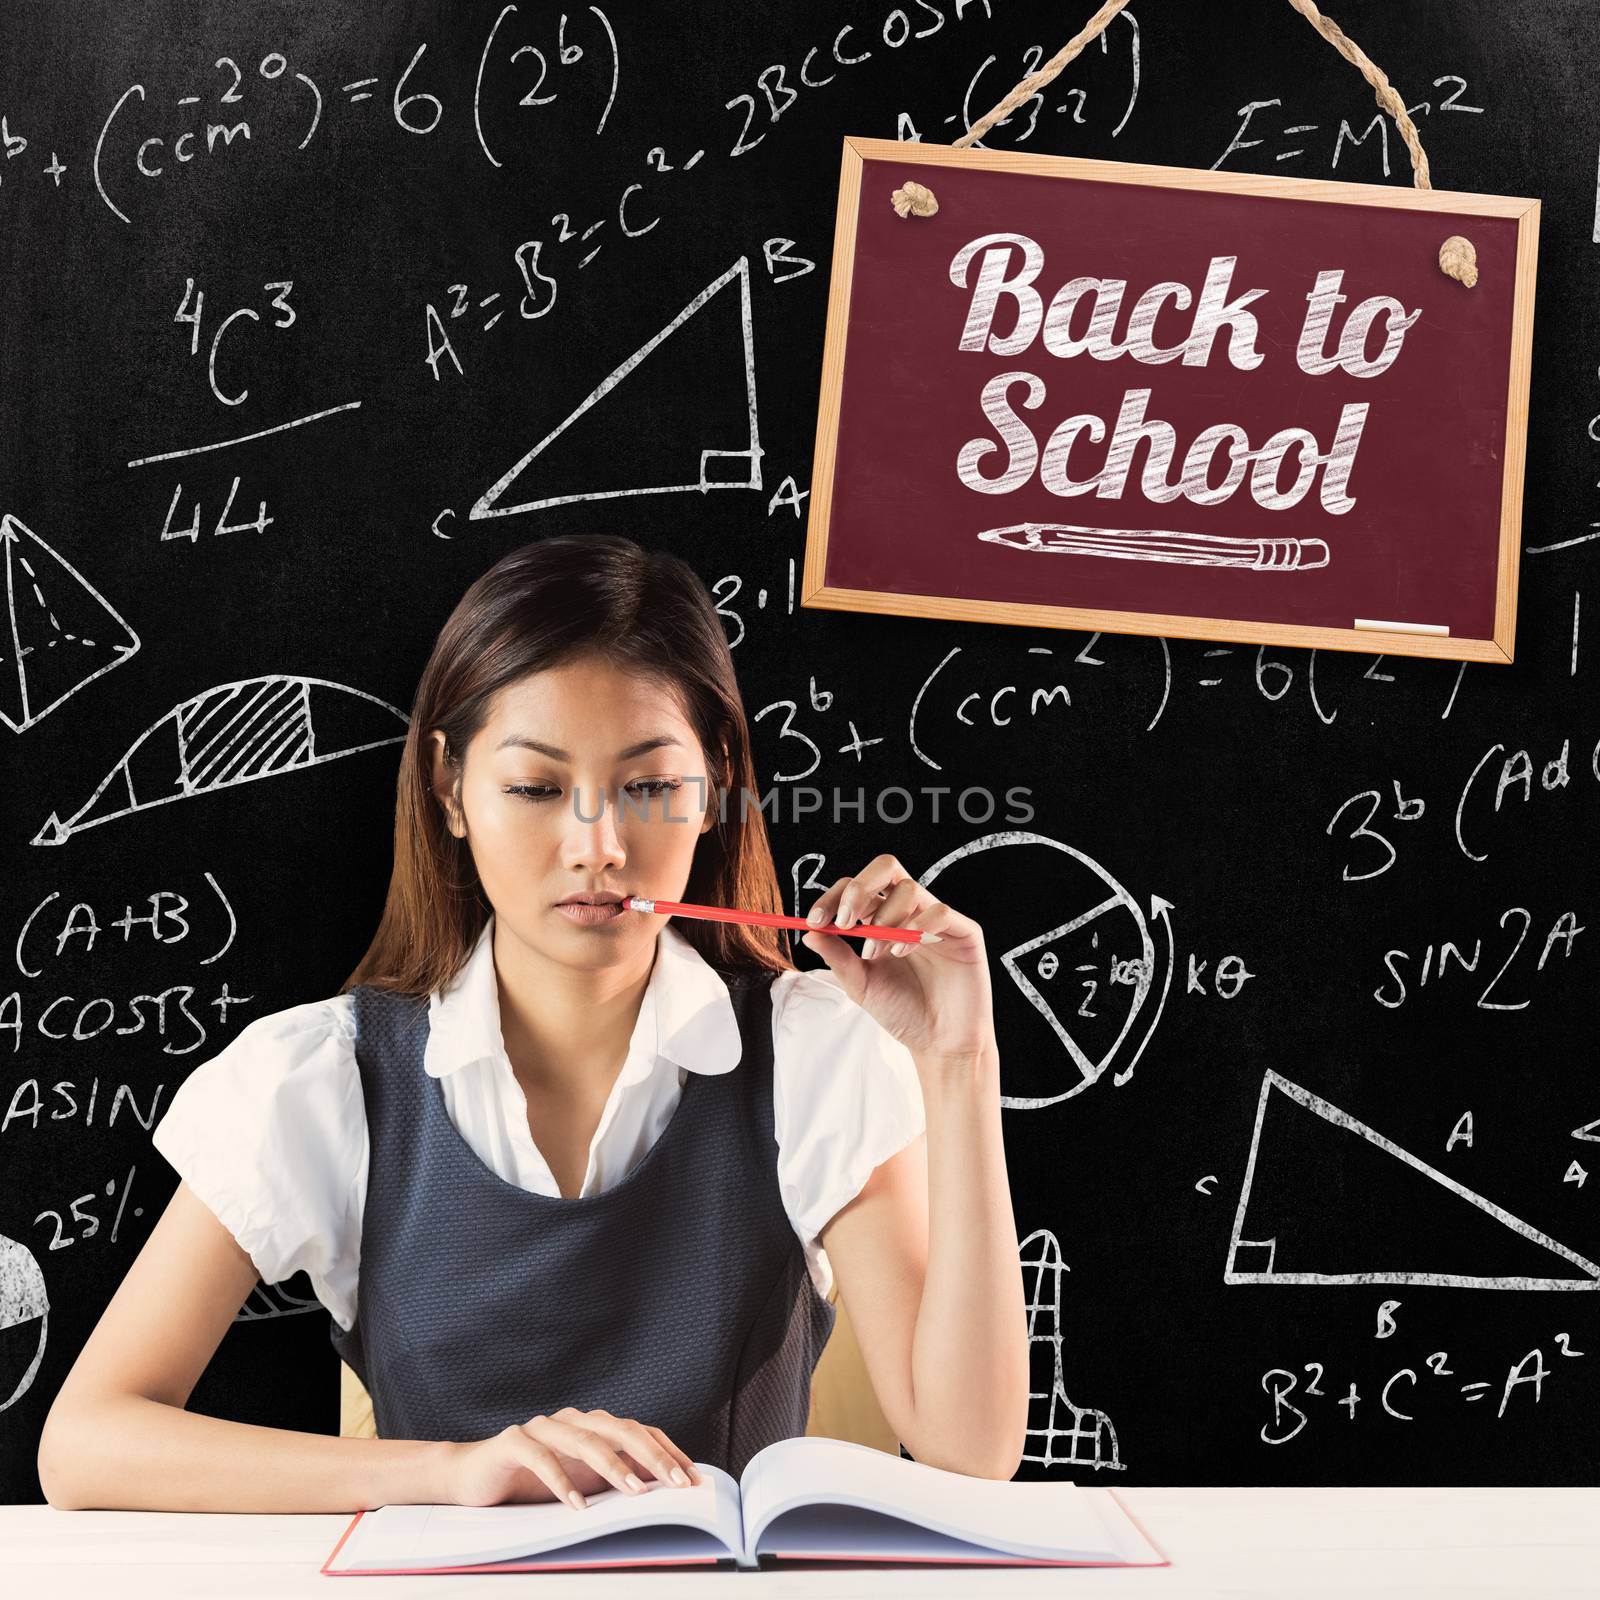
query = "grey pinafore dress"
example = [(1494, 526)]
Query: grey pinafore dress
[(678, 1297)]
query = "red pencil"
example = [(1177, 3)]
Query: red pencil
[(773, 919)]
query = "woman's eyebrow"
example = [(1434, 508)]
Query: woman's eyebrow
[(525, 742)]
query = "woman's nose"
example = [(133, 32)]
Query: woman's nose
[(593, 827)]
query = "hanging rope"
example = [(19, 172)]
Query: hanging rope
[(1456, 256)]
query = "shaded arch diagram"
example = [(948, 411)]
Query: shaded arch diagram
[(269, 1301), (234, 733)]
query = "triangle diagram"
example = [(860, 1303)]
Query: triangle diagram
[(1326, 1199), (694, 378)]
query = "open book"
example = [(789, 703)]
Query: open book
[(801, 1499)]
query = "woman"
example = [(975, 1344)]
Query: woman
[(594, 1170)]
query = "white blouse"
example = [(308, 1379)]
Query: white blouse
[(271, 1133)]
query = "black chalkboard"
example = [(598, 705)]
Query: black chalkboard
[(1294, 958)]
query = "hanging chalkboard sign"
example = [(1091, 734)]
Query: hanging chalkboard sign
[(1145, 399)]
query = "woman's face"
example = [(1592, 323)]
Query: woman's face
[(585, 779)]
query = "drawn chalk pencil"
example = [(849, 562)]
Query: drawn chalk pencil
[(1160, 544)]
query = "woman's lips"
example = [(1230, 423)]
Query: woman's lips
[(590, 916)]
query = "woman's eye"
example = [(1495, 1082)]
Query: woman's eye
[(543, 791)]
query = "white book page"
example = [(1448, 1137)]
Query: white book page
[(1127, 1537), (1047, 1521), (402, 1536)]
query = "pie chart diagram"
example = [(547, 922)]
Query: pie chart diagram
[(1076, 951), (24, 1320)]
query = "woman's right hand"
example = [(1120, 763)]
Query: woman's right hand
[(564, 1457)]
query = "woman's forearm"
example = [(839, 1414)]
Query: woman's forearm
[(969, 1354), (135, 1454)]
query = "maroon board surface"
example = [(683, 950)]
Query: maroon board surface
[(1420, 544)]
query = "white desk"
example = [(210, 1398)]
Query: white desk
[(1363, 1543)]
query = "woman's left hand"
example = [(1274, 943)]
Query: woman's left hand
[(933, 998)]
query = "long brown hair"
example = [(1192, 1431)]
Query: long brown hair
[(644, 611)]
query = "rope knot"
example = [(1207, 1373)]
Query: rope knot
[(1458, 259), (912, 199)]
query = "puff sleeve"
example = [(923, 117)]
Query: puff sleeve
[(846, 1097), (271, 1134)]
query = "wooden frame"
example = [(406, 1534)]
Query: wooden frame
[(816, 593)]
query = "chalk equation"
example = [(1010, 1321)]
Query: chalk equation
[(1295, 1397)]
